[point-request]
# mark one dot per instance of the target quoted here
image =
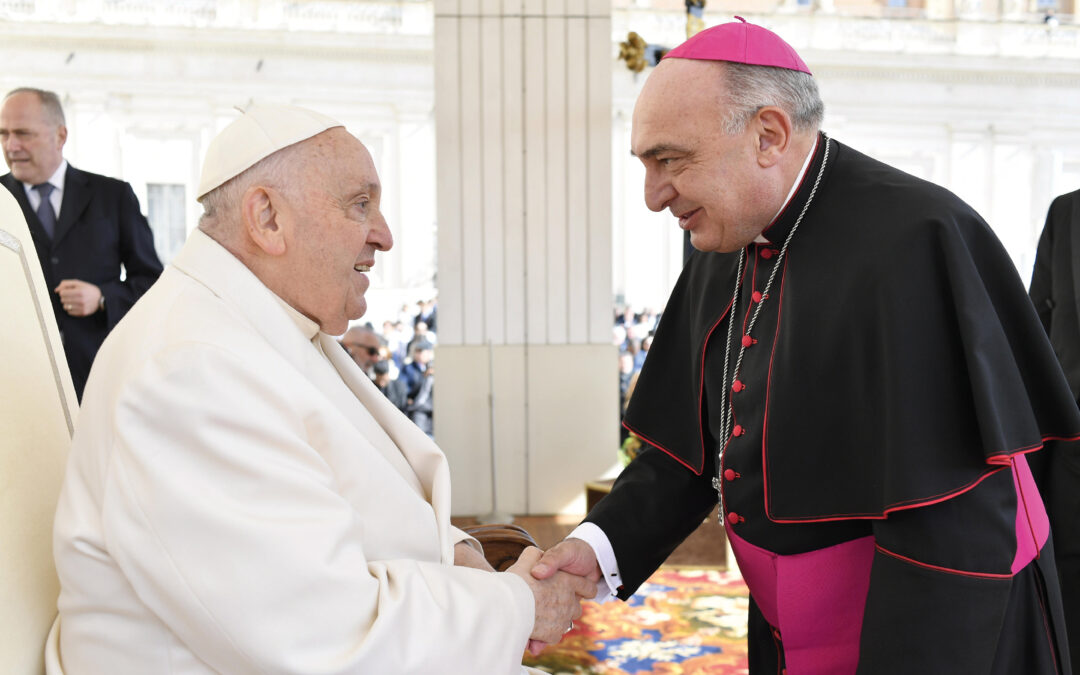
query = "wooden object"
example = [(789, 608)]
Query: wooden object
[(502, 543), (595, 490)]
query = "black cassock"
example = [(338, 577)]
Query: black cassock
[(1055, 291), (876, 487)]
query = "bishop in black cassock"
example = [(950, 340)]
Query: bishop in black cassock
[(859, 383)]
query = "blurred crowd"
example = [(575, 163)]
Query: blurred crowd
[(632, 334), (399, 358)]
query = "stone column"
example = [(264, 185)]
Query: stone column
[(526, 395)]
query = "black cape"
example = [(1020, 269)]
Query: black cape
[(925, 377)]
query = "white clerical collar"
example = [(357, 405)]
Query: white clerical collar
[(794, 188), (309, 328), (56, 180)]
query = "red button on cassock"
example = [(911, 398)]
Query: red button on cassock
[(738, 430), (756, 296), (729, 474), (734, 518), (747, 341), (766, 253), (737, 386)]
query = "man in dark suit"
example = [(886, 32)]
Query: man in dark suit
[(85, 227), (1055, 290)]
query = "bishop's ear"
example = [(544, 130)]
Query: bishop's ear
[(774, 129), (260, 208)]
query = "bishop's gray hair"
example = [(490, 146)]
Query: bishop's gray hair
[(750, 88)]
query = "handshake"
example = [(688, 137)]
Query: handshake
[(559, 580)]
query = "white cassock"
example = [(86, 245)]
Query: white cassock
[(240, 498)]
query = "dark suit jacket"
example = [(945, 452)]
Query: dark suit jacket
[(1055, 283), (1055, 290), (99, 228)]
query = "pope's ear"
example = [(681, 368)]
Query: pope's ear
[(260, 211), (774, 130)]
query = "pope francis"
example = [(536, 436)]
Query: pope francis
[(240, 498)]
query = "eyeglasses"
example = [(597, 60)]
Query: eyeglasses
[(352, 349)]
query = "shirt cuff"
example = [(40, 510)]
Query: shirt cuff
[(610, 581)]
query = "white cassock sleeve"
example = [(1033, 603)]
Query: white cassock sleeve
[(458, 536), (228, 524)]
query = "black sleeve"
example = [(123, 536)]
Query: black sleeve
[(141, 264), (1042, 277), (654, 505)]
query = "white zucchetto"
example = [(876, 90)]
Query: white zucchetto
[(261, 131)]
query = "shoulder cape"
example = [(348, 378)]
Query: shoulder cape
[(909, 363)]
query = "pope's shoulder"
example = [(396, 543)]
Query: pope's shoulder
[(177, 310)]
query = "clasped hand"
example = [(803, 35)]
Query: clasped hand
[(78, 298), (559, 579)]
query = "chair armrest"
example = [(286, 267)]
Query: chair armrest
[(502, 543)]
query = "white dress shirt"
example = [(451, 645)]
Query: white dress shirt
[(56, 198)]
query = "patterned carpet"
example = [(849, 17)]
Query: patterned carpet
[(682, 622)]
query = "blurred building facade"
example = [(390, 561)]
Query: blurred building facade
[(977, 95), (147, 84)]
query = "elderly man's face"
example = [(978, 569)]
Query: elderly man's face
[(338, 227), (33, 144), (709, 180), (363, 346)]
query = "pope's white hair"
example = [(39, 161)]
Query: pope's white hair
[(749, 88), (281, 170)]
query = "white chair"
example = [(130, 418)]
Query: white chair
[(37, 416)]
